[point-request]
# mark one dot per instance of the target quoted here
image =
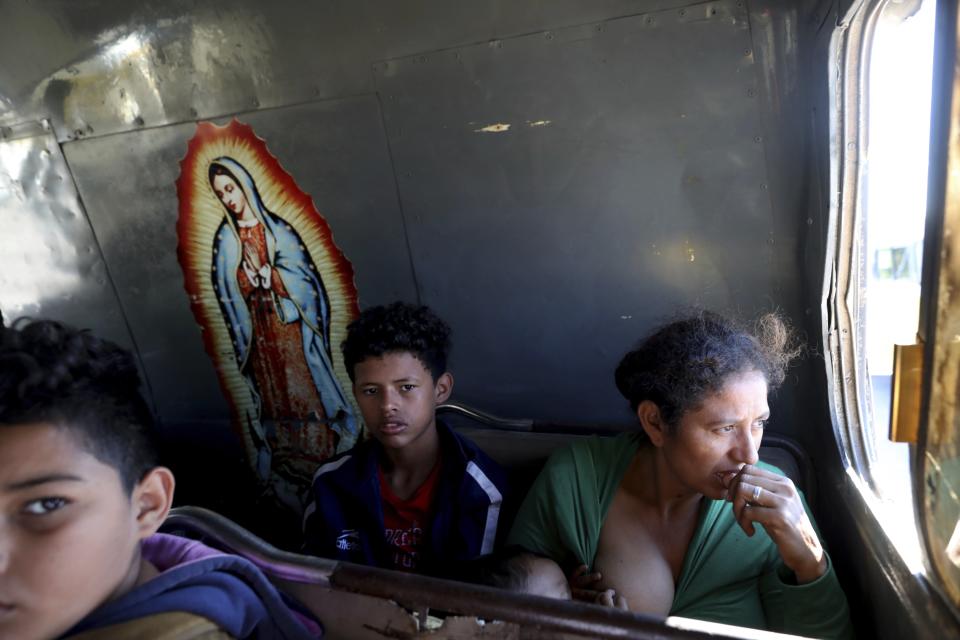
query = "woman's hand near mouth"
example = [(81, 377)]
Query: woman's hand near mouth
[(763, 497)]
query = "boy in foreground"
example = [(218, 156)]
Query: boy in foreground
[(416, 496), (81, 500)]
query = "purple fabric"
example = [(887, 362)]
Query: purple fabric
[(165, 551), (227, 589)]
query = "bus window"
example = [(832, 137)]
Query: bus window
[(873, 287), (891, 274), (894, 170)]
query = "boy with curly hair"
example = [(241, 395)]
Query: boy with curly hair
[(416, 495), (81, 500)]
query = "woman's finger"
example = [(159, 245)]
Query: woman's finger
[(745, 485), (756, 507)]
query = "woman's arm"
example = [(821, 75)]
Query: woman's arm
[(801, 594)]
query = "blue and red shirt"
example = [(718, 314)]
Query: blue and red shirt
[(406, 522)]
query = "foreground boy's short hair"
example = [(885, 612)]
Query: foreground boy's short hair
[(82, 497), (50, 373)]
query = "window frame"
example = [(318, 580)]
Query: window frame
[(842, 308)]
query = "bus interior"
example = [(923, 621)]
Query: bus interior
[(554, 179)]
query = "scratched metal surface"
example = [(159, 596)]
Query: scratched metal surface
[(122, 67), (536, 242), (566, 190), (118, 65), (52, 263)]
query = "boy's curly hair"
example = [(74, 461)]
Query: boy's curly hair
[(52, 373), (679, 364), (398, 327)]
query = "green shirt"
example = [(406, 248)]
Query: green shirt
[(726, 576)]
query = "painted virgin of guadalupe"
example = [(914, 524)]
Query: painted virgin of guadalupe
[(276, 308)]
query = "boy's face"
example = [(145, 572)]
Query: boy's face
[(69, 532), (397, 397)]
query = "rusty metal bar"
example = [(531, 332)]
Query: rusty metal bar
[(414, 591)]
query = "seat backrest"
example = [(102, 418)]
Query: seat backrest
[(522, 446)]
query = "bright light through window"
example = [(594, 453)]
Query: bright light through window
[(894, 210)]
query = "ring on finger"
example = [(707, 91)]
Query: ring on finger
[(756, 494)]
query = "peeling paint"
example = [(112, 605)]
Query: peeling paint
[(499, 127)]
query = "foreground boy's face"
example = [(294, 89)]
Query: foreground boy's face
[(397, 397), (68, 532)]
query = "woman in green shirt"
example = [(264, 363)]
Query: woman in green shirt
[(681, 518)]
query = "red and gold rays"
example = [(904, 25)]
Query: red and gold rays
[(201, 214)]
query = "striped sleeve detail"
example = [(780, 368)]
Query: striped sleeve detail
[(493, 509), (324, 468)]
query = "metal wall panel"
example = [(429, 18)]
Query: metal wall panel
[(566, 190), (122, 66), (117, 65), (335, 150), (52, 265)]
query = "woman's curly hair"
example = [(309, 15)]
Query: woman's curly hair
[(398, 327), (681, 363), (54, 374)]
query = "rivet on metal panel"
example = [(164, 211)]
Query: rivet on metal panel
[(649, 20), (763, 187), (421, 59), (138, 121), (683, 12), (255, 103), (751, 93), (747, 52), (758, 139), (548, 35), (600, 27), (78, 133), (193, 112)]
